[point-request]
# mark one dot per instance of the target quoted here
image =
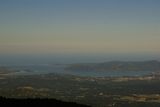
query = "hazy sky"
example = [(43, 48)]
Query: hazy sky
[(79, 26)]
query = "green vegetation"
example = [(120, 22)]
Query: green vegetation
[(94, 91), (5, 71)]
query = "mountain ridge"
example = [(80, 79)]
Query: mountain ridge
[(150, 65)]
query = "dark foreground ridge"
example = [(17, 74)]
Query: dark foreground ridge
[(37, 102)]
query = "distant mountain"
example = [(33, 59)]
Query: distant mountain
[(152, 65)]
